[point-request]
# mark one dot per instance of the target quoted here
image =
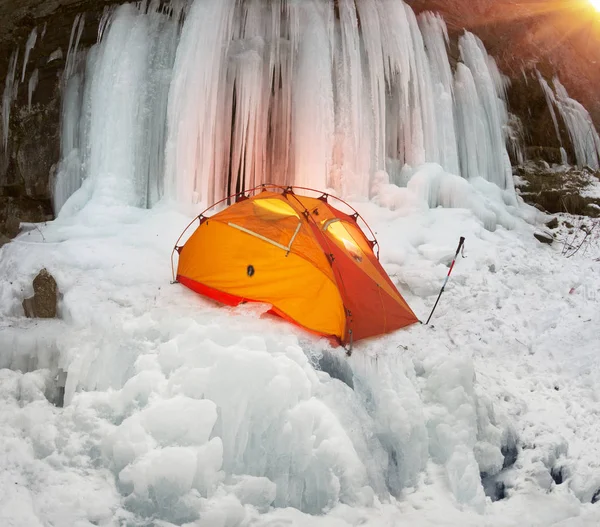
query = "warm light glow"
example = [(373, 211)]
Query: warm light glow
[(596, 4), (337, 229), (273, 206)]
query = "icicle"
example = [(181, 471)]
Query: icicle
[(352, 148), (582, 131), (194, 155), (33, 82), (163, 36), (76, 32), (486, 111), (55, 55), (196, 100), (580, 126), (69, 175), (10, 93), (31, 40), (313, 111), (551, 102), (471, 128), (435, 36), (373, 42), (104, 21), (514, 138), (424, 122), (246, 86)]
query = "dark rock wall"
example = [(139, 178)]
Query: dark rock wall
[(27, 166)]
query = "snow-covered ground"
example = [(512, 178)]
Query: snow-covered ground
[(181, 412)]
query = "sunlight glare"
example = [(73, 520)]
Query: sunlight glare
[(595, 4)]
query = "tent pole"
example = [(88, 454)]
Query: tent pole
[(460, 245)]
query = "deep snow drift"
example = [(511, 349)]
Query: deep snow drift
[(178, 411)]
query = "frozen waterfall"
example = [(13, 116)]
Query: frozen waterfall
[(580, 127), (195, 101)]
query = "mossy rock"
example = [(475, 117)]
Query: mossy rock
[(555, 190)]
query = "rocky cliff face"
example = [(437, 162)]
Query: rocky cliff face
[(28, 162), (520, 37)]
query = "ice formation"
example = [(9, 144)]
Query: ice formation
[(199, 100), (29, 45), (482, 115), (10, 92), (32, 85), (578, 122), (76, 32), (56, 55)]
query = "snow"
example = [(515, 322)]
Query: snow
[(180, 411), (8, 96)]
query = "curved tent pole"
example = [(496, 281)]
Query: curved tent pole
[(261, 188)]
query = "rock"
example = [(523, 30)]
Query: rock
[(14, 211), (12, 226), (544, 238), (558, 191), (552, 224), (4, 240), (43, 302)]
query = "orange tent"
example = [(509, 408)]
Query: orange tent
[(309, 260)]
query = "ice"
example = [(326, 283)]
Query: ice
[(481, 115), (73, 49), (9, 94), (57, 54), (192, 149), (74, 108), (551, 102), (214, 97), (29, 45), (430, 186), (313, 110), (580, 127), (435, 36), (582, 132), (33, 82)]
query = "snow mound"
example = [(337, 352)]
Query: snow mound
[(180, 411)]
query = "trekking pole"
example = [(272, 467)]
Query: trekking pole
[(460, 245)]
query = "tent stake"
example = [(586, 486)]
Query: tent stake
[(460, 244)]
